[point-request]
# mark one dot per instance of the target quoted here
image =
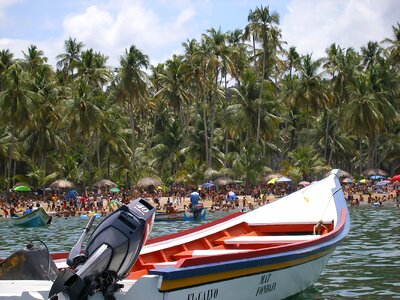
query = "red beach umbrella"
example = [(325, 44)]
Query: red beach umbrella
[(395, 178)]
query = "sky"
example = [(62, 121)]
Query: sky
[(159, 27)]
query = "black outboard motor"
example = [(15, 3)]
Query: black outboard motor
[(111, 251)]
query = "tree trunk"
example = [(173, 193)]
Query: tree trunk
[(360, 154), (371, 152), (133, 139), (205, 125), (261, 95)]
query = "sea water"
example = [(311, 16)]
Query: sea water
[(365, 266)]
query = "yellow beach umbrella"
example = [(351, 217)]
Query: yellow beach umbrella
[(363, 181), (272, 181)]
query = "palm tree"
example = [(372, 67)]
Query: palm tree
[(42, 136), (33, 59), (371, 55), (262, 27), (219, 64), (6, 60), (307, 161), (174, 81), (364, 114), (311, 94), (69, 60), (393, 49), (132, 87), (15, 103)]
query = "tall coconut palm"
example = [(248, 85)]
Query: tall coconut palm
[(262, 27), (68, 61), (33, 59), (6, 60), (15, 103), (174, 89), (132, 87), (42, 136), (393, 49), (364, 114), (219, 63)]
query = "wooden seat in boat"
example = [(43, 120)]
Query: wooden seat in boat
[(207, 252), (270, 239), (288, 227)]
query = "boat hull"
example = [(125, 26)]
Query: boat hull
[(201, 215), (175, 216), (276, 284), (181, 216), (35, 218)]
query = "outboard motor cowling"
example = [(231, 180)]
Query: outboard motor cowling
[(111, 251)]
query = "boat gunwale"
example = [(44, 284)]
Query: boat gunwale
[(201, 260), (288, 252)]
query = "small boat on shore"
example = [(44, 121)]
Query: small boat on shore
[(182, 215), (196, 214), (35, 218), (272, 252), (169, 216)]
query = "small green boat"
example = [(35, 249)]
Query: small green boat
[(35, 218)]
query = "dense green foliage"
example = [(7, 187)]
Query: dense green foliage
[(237, 104)]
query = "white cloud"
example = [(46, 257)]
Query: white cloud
[(113, 29), (312, 26)]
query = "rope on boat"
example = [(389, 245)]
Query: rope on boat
[(320, 223)]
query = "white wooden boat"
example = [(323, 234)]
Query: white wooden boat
[(272, 252), (37, 217)]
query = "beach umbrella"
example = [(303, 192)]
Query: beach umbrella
[(383, 182), (115, 190), (376, 177), (207, 185), (272, 181), (363, 181), (304, 183), (395, 178), (62, 184), (223, 181), (70, 194), (105, 183), (271, 176), (284, 179), (22, 188), (371, 172), (340, 174), (148, 182)]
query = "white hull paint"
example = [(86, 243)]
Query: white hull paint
[(269, 285)]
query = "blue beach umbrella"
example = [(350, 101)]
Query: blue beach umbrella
[(376, 177), (383, 182), (70, 195), (208, 185)]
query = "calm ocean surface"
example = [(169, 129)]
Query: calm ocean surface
[(365, 266)]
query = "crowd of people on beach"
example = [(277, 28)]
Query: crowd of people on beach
[(60, 203), (229, 197)]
